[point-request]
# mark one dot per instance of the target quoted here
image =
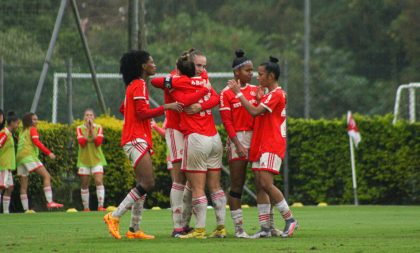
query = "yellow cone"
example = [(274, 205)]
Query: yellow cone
[(322, 204), (297, 204), (155, 208), (111, 208), (71, 210), (244, 206)]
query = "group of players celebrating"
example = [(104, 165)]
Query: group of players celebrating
[(254, 118)]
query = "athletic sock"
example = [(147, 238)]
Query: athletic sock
[(127, 203), (48, 193), (219, 204), (272, 225), (100, 193), (186, 206), (264, 216), (6, 204), (136, 211), (200, 211), (284, 210), (24, 200), (237, 219), (176, 198), (85, 197)]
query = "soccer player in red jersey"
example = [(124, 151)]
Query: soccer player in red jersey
[(238, 124), (202, 160), (268, 142), (136, 140)]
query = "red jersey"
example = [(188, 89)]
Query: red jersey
[(183, 89), (270, 128), (136, 106), (173, 117), (234, 116)]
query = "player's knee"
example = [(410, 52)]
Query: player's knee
[(145, 186)]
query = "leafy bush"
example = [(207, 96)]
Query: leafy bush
[(387, 164)]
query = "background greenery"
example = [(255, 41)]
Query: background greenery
[(387, 162)]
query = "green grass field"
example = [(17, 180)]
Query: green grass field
[(322, 229)]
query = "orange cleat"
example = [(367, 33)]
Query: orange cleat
[(139, 235), (52, 205), (86, 210), (113, 225), (101, 209)]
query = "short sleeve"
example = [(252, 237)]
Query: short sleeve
[(271, 100)]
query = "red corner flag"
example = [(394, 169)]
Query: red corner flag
[(352, 129)]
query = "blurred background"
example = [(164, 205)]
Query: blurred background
[(360, 51)]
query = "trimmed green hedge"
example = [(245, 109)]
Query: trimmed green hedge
[(387, 163)]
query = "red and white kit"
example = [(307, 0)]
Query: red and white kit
[(237, 121), (268, 143), (137, 135)]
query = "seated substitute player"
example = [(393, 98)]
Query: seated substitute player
[(202, 160), (136, 140), (7, 157), (90, 159), (27, 161), (268, 142)]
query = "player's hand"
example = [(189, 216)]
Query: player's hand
[(173, 106), (52, 156), (241, 150), (193, 109), (153, 123), (260, 93), (234, 86)]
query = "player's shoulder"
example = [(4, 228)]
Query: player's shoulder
[(226, 91)]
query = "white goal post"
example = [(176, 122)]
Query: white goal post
[(412, 101), (61, 75)]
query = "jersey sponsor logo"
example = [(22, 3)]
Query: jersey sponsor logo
[(197, 82), (253, 93), (237, 105)]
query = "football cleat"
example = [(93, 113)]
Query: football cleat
[(101, 209), (219, 232), (199, 233), (241, 234), (261, 234), (139, 235), (113, 225), (289, 228), (52, 205)]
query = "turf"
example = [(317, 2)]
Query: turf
[(322, 229)]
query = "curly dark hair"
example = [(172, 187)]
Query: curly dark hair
[(27, 120), (131, 65)]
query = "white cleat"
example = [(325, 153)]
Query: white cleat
[(261, 234), (276, 232), (242, 234)]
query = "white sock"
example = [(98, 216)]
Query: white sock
[(219, 204), (48, 193), (127, 203), (25, 202), (237, 219), (136, 211), (284, 210), (200, 211), (100, 193), (176, 198), (186, 206), (85, 197), (264, 216), (6, 204)]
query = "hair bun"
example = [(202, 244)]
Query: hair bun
[(11, 113), (239, 53), (273, 59)]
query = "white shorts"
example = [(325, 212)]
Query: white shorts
[(175, 143), (202, 153), (6, 179), (244, 138), (268, 162), (85, 171), (135, 150), (26, 168)]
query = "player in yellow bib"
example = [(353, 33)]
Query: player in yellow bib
[(27, 161), (90, 159), (7, 157)]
